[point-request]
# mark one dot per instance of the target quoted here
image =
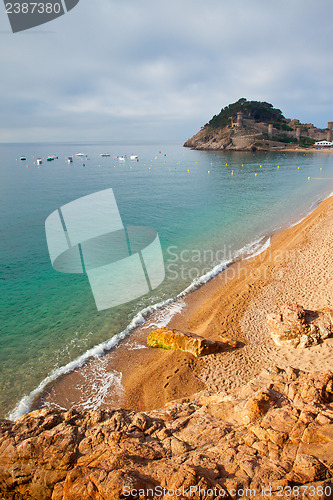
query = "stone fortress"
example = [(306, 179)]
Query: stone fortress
[(248, 134), (299, 130)]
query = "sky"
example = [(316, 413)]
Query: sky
[(150, 70)]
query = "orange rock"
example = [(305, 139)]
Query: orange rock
[(297, 327), (167, 338), (58, 455)]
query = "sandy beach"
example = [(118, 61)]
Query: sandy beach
[(297, 267)]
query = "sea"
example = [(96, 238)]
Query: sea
[(208, 209)]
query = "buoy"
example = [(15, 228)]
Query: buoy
[(298, 168), (188, 170), (278, 166), (149, 168), (226, 163), (255, 174), (321, 168), (309, 178), (232, 172), (211, 163), (196, 162), (242, 165), (260, 166), (209, 171)]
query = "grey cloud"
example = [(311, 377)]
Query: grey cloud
[(125, 66)]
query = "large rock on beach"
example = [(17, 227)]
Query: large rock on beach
[(167, 338), (297, 327), (276, 435)]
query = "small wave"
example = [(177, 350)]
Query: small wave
[(313, 207), (96, 387), (167, 313), (254, 248), (259, 249)]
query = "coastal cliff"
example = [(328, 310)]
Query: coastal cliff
[(254, 125), (277, 434)]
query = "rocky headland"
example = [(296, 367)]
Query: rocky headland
[(274, 439), (254, 125)]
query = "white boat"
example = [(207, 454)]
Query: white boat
[(104, 154), (23, 158), (39, 161), (80, 154), (70, 159), (121, 158), (133, 157)]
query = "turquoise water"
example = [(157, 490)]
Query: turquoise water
[(205, 206)]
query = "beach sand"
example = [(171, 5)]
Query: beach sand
[(297, 267)]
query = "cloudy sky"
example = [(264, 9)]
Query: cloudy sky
[(152, 70)]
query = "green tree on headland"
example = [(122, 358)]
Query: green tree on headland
[(257, 110)]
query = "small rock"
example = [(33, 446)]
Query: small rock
[(300, 328)]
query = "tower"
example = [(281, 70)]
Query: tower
[(239, 119), (270, 130), (298, 132)]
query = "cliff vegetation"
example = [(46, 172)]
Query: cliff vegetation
[(251, 125)]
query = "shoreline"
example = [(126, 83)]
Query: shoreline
[(278, 149), (148, 379)]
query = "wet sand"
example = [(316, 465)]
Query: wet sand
[(297, 267)]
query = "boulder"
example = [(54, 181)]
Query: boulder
[(167, 338), (297, 327)]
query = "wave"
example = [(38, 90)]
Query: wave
[(167, 308), (311, 209)]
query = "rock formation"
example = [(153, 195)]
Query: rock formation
[(297, 327), (261, 127), (167, 338), (274, 440)]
